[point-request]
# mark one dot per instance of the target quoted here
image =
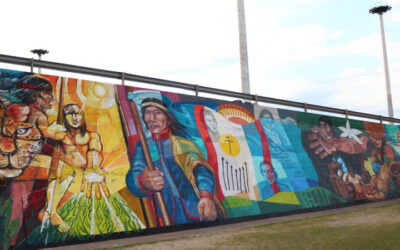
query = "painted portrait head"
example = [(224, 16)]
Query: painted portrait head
[(37, 89), (325, 125), (210, 121), (268, 172), (74, 119), (157, 117)]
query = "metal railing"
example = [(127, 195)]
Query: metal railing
[(30, 62)]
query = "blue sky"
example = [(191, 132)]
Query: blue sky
[(325, 52), (331, 52)]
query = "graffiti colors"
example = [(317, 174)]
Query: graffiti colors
[(81, 158)]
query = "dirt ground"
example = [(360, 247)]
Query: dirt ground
[(211, 238)]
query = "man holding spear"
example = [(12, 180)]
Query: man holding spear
[(181, 174)]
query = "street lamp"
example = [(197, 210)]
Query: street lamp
[(39, 52), (380, 10)]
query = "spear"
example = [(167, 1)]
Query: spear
[(57, 148), (55, 157), (146, 152)]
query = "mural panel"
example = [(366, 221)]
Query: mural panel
[(82, 159)]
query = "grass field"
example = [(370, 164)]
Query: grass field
[(373, 228)]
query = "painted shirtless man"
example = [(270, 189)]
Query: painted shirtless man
[(80, 160)]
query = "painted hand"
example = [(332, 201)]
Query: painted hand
[(322, 142), (207, 210), (152, 180), (96, 180)]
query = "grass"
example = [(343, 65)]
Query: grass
[(373, 228)]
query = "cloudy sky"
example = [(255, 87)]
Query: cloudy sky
[(325, 52)]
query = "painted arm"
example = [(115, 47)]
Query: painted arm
[(54, 131), (205, 183), (94, 157), (325, 145), (93, 177), (140, 180), (204, 179)]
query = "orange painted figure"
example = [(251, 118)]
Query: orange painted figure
[(22, 142), (80, 164)]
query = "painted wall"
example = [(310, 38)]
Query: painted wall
[(82, 159)]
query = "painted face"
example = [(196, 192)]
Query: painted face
[(266, 114), (45, 99), (20, 141), (75, 119), (268, 172), (377, 141), (155, 119), (326, 128), (210, 121)]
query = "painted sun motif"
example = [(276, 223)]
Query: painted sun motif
[(235, 113), (95, 94), (99, 90)]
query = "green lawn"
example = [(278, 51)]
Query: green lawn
[(373, 228)]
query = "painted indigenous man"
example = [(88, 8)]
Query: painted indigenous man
[(182, 175), (371, 181), (80, 163), (20, 128)]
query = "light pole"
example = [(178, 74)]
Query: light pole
[(380, 10), (244, 60), (39, 52)]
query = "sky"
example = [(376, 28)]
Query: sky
[(324, 52)]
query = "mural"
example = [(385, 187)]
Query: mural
[(59, 179), (82, 159)]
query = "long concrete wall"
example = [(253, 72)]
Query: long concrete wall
[(83, 160)]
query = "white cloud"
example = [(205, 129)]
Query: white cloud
[(351, 72), (284, 88), (197, 42), (144, 37), (368, 45), (287, 45), (394, 16), (393, 2), (366, 91), (336, 34)]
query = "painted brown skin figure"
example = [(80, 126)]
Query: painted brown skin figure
[(81, 151), (377, 186), (182, 175), (157, 122), (325, 143), (24, 119)]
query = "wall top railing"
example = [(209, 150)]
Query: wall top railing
[(181, 85)]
